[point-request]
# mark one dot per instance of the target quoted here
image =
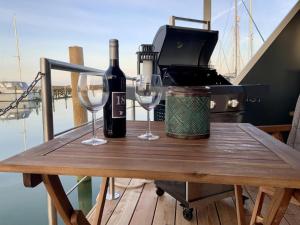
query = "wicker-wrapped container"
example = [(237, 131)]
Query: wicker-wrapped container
[(188, 112)]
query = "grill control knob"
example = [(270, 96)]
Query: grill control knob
[(212, 104), (233, 103)]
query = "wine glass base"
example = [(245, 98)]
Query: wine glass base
[(148, 136), (110, 197), (94, 141)]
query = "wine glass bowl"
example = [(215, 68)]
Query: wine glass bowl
[(93, 94), (148, 92), (148, 99)]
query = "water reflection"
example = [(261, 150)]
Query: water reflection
[(21, 112), (21, 131), (85, 200)]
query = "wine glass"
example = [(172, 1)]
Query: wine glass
[(148, 92), (93, 94)]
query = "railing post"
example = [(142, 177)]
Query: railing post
[(46, 94), (172, 20)]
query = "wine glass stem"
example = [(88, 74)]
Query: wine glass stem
[(148, 117), (94, 125)]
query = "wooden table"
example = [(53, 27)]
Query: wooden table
[(237, 154)]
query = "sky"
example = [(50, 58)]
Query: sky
[(48, 28)]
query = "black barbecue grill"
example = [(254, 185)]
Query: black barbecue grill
[(183, 60)]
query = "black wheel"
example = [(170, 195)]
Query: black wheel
[(159, 191), (188, 214)]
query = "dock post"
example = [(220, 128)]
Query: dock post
[(79, 113), (79, 117)]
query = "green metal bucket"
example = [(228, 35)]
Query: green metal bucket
[(188, 112)]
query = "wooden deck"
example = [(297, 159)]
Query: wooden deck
[(141, 206)]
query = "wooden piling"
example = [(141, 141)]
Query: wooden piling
[(79, 113)]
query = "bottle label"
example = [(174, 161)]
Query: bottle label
[(118, 104)]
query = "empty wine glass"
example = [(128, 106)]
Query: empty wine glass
[(93, 94), (148, 91)]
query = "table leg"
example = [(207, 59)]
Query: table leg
[(258, 206), (78, 218), (278, 206), (240, 211), (62, 203)]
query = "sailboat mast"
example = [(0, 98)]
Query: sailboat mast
[(20, 75), (250, 30), (17, 47), (236, 38)]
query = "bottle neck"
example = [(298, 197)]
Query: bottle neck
[(113, 55), (114, 62)]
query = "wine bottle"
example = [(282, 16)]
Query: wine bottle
[(115, 108)]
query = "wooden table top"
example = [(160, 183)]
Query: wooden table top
[(234, 154)]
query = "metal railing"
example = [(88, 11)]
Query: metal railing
[(172, 20), (46, 65)]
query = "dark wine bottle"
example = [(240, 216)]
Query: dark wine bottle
[(115, 108)]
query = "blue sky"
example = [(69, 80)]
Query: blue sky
[(48, 28)]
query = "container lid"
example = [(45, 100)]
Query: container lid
[(189, 90)]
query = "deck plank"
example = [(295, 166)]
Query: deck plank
[(125, 209), (110, 205), (145, 208), (293, 214), (226, 211), (208, 215), (141, 206), (165, 211), (179, 218)]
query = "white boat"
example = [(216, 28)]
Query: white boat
[(16, 114), (11, 90)]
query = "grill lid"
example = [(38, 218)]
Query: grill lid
[(192, 76), (184, 46)]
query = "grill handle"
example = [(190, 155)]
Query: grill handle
[(173, 18)]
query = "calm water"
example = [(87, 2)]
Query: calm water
[(20, 205)]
